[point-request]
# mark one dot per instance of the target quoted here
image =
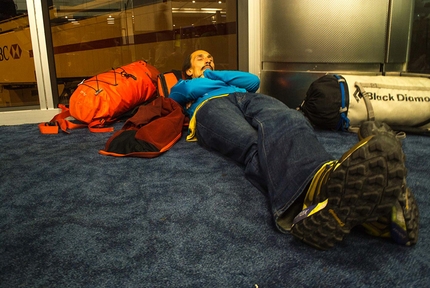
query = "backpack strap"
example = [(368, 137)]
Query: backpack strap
[(98, 126), (59, 121), (343, 121), (360, 92), (166, 81)]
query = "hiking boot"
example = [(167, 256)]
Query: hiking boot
[(402, 223), (361, 186), (368, 128)]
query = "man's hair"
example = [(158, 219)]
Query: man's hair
[(186, 65)]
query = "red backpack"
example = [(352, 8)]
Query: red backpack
[(104, 98)]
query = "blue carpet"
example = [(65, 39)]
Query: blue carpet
[(70, 217)]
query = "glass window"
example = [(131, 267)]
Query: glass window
[(90, 37), (17, 79), (420, 39)]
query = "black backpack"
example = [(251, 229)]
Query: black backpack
[(326, 103)]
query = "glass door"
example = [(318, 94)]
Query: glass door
[(18, 85), (90, 37), (419, 58)]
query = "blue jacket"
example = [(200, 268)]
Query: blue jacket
[(214, 83)]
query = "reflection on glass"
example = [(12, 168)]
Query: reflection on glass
[(17, 80), (90, 37), (419, 57)]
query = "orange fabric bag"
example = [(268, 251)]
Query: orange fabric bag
[(103, 98)]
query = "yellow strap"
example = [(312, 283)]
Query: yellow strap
[(191, 137), (317, 181)]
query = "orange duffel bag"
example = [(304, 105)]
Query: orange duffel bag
[(104, 98)]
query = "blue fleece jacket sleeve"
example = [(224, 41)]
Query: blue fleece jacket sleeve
[(186, 91), (245, 80), (190, 93)]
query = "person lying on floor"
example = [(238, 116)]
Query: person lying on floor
[(318, 199)]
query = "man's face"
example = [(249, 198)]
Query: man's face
[(200, 61)]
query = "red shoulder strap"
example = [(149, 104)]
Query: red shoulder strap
[(166, 81), (60, 121), (97, 126)]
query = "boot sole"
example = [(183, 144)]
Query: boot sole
[(412, 216), (364, 186)]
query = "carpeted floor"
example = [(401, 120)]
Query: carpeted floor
[(70, 217)]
